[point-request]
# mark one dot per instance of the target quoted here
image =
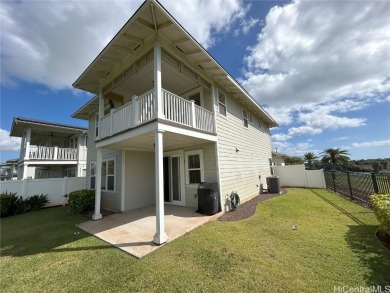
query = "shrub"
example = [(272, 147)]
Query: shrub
[(36, 202), (81, 201), (13, 205), (7, 204), (381, 206)]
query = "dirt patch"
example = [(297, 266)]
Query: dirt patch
[(248, 208)]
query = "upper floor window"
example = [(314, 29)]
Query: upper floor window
[(73, 142), (222, 103), (245, 117)]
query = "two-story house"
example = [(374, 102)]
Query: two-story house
[(8, 170), (167, 116), (50, 150)]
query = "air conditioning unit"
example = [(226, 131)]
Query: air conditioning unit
[(273, 184)]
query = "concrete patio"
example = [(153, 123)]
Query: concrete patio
[(133, 231)]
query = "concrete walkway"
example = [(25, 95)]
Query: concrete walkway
[(133, 231)]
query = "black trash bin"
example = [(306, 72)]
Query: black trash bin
[(208, 198)]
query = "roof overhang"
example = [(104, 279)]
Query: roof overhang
[(20, 124), (151, 23), (84, 111)]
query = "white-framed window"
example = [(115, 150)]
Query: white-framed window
[(97, 125), (221, 103), (194, 167), (260, 125), (108, 175), (70, 173), (195, 95), (92, 177), (73, 142), (245, 117)]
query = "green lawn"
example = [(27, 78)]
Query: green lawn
[(334, 245)]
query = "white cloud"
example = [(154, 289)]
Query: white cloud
[(340, 138), (52, 42), (312, 63), (368, 144), (289, 149), (247, 24), (301, 130), (8, 143), (284, 116), (280, 137)]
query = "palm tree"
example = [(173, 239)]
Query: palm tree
[(335, 156), (309, 157)]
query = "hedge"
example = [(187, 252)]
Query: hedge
[(381, 206)]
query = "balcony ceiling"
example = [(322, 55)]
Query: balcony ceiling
[(145, 142), (150, 22)]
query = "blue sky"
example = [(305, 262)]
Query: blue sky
[(321, 68)]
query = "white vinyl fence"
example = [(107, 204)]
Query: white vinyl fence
[(297, 176), (55, 188)]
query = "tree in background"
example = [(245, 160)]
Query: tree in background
[(309, 157), (335, 156), (293, 160)]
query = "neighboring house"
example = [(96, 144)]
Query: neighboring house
[(167, 116), (277, 159), (8, 170), (50, 150)]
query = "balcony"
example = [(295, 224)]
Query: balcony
[(142, 110), (52, 153)]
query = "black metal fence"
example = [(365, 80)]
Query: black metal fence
[(357, 185)]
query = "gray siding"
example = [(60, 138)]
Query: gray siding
[(240, 171), (139, 182)]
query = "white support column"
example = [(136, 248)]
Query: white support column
[(160, 237), (25, 169), (98, 183), (101, 111), (157, 82), (123, 179), (55, 155), (22, 148), (193, 115), (27, 148), (111, 121)]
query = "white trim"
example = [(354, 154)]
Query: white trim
[(190, 153)]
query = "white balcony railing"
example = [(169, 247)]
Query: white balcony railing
[(142, 109), (52, 153)]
